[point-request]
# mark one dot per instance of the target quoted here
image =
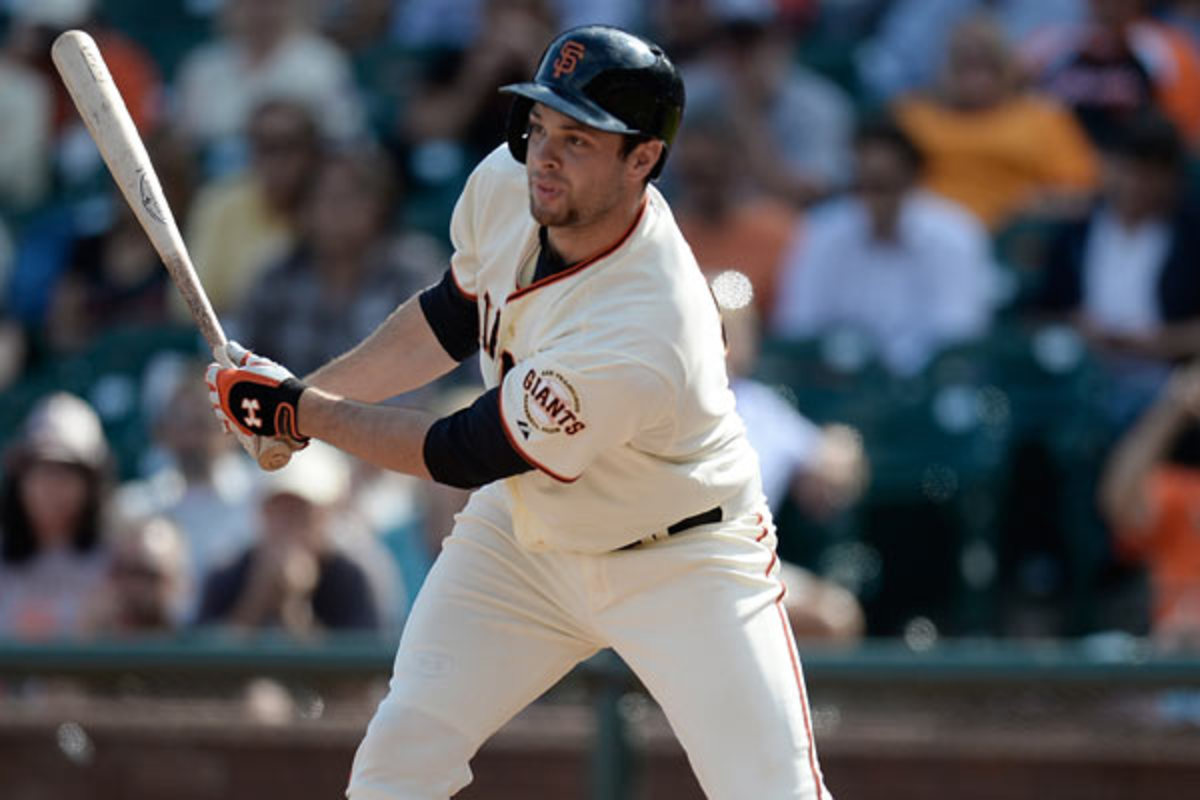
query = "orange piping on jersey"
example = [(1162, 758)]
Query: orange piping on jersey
[(521, 451), (461, 290), (587, 262)]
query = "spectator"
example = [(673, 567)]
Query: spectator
[(243, 223), (26, 104), (269, 50), (1126, 275), (456, 102), (202, 484), (684, 28), (358, 26), (36, 23), (34, 26), (793, 126), (990, 146), (728, 221), (345, 276), (294, 577), (14, 350), (52, 515), (819, 609), (1150, 495), (908, 269), (104, 272), (906, 53), (456, 23), (112, 277), (1118, 64), (145, 585), (821, 470)]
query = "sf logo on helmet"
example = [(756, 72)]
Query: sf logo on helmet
[(569, 57)]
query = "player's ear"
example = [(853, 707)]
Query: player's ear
[(643, 157)]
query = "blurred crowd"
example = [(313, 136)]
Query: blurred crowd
[(956, 243)]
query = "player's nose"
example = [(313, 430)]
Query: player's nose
[(544, 154)]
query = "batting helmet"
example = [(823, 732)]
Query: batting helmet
[(605, 78)]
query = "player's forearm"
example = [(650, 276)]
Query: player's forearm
[(388, 437), (400, 355)]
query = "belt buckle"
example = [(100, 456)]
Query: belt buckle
[(657, 536)]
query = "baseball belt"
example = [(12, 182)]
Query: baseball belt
[(714, 514)]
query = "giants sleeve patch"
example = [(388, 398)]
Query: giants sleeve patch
[(560, 411), (550, 404)]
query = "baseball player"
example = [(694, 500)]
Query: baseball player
[(617, 502)]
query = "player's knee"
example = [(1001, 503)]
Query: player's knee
[(409, 755)]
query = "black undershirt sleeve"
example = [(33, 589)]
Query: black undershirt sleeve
[(469, 448), (453, 317)]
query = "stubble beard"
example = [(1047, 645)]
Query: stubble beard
[(567, 216), (571, 214)]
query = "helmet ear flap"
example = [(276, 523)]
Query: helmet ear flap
[(517, 131)]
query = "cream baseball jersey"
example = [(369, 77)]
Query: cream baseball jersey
[(611, 373)]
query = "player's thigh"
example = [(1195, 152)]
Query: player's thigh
[(484, 637), (713, 646)]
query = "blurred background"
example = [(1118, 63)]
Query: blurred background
[(957, 246)]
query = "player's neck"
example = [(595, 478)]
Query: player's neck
[(575, 243)]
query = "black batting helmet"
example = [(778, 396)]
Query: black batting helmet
[(605, 78)]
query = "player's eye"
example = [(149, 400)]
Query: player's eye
[(535, 129), (576, 141)]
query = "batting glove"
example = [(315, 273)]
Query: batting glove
[(254, 395)]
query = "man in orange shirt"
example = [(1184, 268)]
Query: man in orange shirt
[(1150, 495), (994, 148)]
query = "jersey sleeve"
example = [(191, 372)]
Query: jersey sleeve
[(560, 411), (452, 316), (469, 449)]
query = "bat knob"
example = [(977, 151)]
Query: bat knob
[(274, 455)]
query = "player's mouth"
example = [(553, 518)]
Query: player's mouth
[(546, 191)]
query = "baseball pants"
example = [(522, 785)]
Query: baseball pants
[(698, 617)]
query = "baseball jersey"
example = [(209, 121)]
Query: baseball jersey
[(611, 373)]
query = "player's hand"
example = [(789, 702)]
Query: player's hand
[(254, 395)]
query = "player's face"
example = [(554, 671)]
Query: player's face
[(577, 174)]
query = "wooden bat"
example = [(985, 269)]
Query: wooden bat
[(91, 86)]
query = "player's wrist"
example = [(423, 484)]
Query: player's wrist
[(293, 390)]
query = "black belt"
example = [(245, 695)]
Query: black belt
[(714, 514)]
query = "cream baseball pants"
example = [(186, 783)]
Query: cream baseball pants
[(697, 616)]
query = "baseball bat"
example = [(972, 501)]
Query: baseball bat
[(91, 87)]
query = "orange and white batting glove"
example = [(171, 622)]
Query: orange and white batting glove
[(254, 396)]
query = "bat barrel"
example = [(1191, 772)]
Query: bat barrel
[(102, 109)]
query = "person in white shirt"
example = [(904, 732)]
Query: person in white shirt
[(617, 501), (268, 52), (910, 271), (1126, 276)]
